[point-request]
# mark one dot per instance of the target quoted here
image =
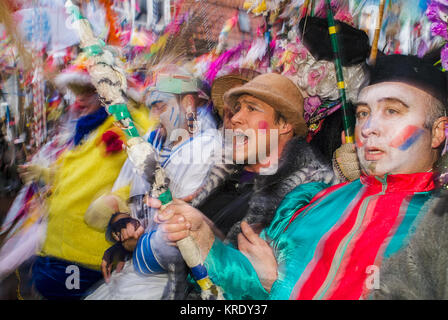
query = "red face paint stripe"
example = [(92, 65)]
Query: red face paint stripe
[(406, 134), (359, 143)]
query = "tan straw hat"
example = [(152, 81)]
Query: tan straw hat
[(277, 91), (223, 84)]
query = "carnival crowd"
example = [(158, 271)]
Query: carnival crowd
[(271, 207)]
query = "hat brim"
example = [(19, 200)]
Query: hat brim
[(77, 80), (279, 103), (223, 84)]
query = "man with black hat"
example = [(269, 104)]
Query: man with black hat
[(330, 243), (418, 271)]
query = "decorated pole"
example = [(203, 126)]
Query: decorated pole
[(304, 11), (188, 248), (228, 26), (110, 82), (346, 119), (376, 37)]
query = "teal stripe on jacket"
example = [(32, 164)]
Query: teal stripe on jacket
[(295, 250), (231, 270), (414, 213)]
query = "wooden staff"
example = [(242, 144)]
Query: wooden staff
[(376, 38)]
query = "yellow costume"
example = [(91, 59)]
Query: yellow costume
[(82, 173)]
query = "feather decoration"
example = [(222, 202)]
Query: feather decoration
[(170, 48), (8, 21), (256, 53), (228, 26), (216, 65), (113, 36), (201, 65), (437, 13)]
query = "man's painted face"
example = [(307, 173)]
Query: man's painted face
[(251, 122), (165, 106), (390, 133)]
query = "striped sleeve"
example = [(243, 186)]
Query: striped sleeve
[(143, 258)]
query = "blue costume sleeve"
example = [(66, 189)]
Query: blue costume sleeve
[(143, 257)]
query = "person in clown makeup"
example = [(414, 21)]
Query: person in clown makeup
[(186, 140), (331, 243)]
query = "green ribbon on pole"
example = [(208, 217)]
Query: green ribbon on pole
[(347, 120), (121, 112), (166, 197), (94, 49), (75, 12)]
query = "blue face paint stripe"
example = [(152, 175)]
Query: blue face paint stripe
[(412, 139), (171, 115), (367, 124)]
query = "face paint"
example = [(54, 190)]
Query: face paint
[(406, 138), (368, 124), (170, 119), (263, 125), (171, 115), (390, 133), (358, 142), (253, 123)]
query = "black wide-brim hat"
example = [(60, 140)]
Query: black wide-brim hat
[(353, 43), (411, 70)]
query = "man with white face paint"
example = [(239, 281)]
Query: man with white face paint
[(184, 129), (330, 243), (187, 137), (393, 135)]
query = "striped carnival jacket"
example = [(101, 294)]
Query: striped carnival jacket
[(329, 243)]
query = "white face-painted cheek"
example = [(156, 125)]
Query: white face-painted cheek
[(389, 142), (172, 118)]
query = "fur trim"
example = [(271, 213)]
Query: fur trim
[(63, 80), (420, 270), (215, 178)]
